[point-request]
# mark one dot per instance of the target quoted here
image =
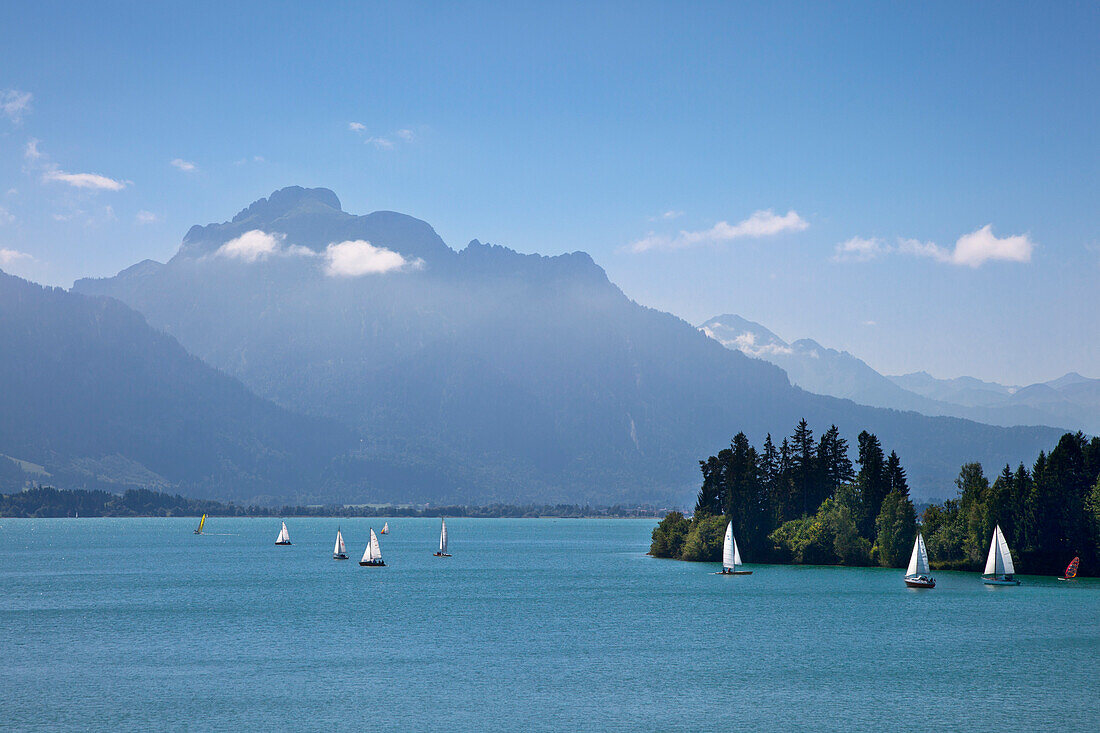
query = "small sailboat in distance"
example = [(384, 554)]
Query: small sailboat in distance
[(918, 574), (372, 556), (201, 522), (1071, 569), (284, 536), (339, 552), (386, 528), (731, 556), (998, 566), (443, 541)]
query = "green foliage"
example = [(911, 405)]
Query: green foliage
[(1048, 514), (704, 541), (895, 530), (829, 537), (669, 535)]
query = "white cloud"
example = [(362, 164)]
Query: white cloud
[(6, 217), (870, 323), (356, 126), (85, 180), (251, 246), (858, 249), (184, 165), (146, 217), (745, 342), (14, 104), (406, 135), (13, 258), (358, 257), (760, 224), (974, 249), (382, 143), (667, 215), (37, 160), (970, 250)]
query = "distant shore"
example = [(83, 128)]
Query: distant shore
[(48, 502)]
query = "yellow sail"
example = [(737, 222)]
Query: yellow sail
[(201, 522)]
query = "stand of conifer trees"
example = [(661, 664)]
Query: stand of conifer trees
[(804, 502)]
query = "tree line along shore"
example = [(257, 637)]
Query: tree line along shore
[(47, 501), (805, 502)]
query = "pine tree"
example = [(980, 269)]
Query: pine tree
[(895, 475), (872, 480), (804, 468)]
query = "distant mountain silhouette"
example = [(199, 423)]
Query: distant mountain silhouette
[(485, 374), (1071, 401), (99, 399)]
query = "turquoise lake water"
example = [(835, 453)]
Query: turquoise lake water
[(552, 624)]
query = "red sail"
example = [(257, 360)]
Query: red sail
[(1071, 569)]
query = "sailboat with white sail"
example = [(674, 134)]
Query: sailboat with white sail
[(443, 541), (372, 556), (201, 522), (731, 555), (998, 566), (339, 552), (918, 574), (284, 536), (386, 528)]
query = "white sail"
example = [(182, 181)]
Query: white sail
[(918, 562), (1003, 553), (339, 549), (729, 558), (386, 528), (736, 554), (993, 563), (373, 551), (284, 535), (443, 538)]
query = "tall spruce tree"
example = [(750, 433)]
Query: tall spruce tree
[(873, 482), (804, 473)]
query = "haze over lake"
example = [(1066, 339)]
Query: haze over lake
[(532, 625)]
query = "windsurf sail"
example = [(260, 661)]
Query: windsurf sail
[(1071, 569)]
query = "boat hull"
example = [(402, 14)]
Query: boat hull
[(735, 572), (914, 583), (999, 581), (372, 564), (339, 557), (1068, 580), (282, 543), (442, 554)]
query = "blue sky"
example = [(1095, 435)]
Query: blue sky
[(811, 167)]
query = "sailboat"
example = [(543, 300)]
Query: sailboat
[(386, 528), (339, 552), (731, 556), (201, 522), (918, 575), (284, 536), (443, 541), (1071, 569), (998, 566), (372, 556)]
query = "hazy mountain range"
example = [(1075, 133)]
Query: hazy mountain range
[(1071, 401), (369, 361)]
